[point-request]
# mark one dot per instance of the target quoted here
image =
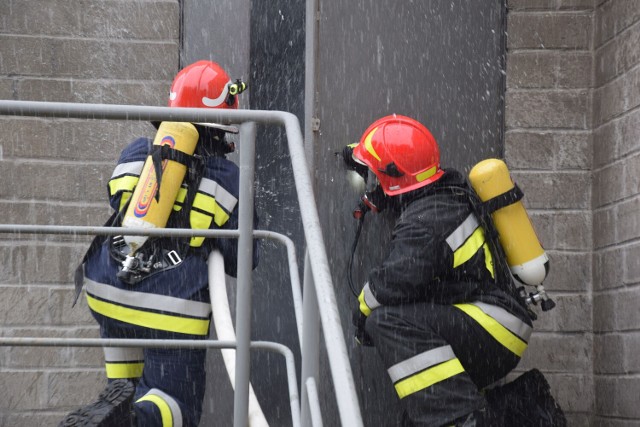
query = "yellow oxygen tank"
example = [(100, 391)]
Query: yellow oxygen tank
[(527, 259), (144, 210)]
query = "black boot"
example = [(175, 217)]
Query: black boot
[(114, 408), (525, 402)]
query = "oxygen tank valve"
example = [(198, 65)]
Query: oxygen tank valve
[(133, 268), (129, 269), (541, 297), (547, 304)]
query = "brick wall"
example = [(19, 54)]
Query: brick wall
[(573, 74), (616, 212), (548, 145), (55, 172)]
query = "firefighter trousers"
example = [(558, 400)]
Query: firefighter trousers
[(173, 304), (440, 357), (170, 383)]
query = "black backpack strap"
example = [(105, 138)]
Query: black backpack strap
[(483, 211), (500, 201), (158, 153), (164, 152), (192, 179)]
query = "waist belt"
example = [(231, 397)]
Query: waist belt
[(152, 258)]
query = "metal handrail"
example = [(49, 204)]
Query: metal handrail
[(184, 233), (176, 232), (294, 399), (319, 276)]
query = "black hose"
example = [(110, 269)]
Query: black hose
[(354, 291)]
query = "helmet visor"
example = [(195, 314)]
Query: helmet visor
[(226, 128)]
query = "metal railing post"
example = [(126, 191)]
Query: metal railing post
[(310, 339), (245, 269), (310, 54), (334, 339)]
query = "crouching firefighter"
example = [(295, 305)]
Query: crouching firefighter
[(157, 288), (442, 309)]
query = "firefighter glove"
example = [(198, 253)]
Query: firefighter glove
[(359, 320)]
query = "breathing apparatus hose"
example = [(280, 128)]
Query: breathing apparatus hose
[(352, 286), (364, 205)]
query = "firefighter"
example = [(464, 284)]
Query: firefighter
[(441, 308), (165, 295)]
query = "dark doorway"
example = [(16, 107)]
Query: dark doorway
[(441, 63)]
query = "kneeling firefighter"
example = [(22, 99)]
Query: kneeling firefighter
[(157, 288), (442, 309)]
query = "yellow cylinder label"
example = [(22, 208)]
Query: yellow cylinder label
[(489, 179), (144, 207)]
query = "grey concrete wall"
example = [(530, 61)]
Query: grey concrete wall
[(616, 212), (55, 172)]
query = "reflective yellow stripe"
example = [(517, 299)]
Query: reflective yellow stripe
[(182, 194), (163, 322), (124, 183), (208, 204), (202, 221), (124, 370), (488, 258), (364, 308), (163, 407), (124, 198), (469, 248), (368, 301), (428, 377), (495, 329), (199, 221), (369, 146), (426, 174)]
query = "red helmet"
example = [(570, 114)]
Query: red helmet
[(401, 152), (203, 84)]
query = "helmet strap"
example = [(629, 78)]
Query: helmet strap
[(392, 170)]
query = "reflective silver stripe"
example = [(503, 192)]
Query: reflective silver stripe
[(506, 319), (369, 299), (176, 413), (123, 354), (420, 362), (209, 102), (222, 196), (129, 168), (148, 301), (462, 233)]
